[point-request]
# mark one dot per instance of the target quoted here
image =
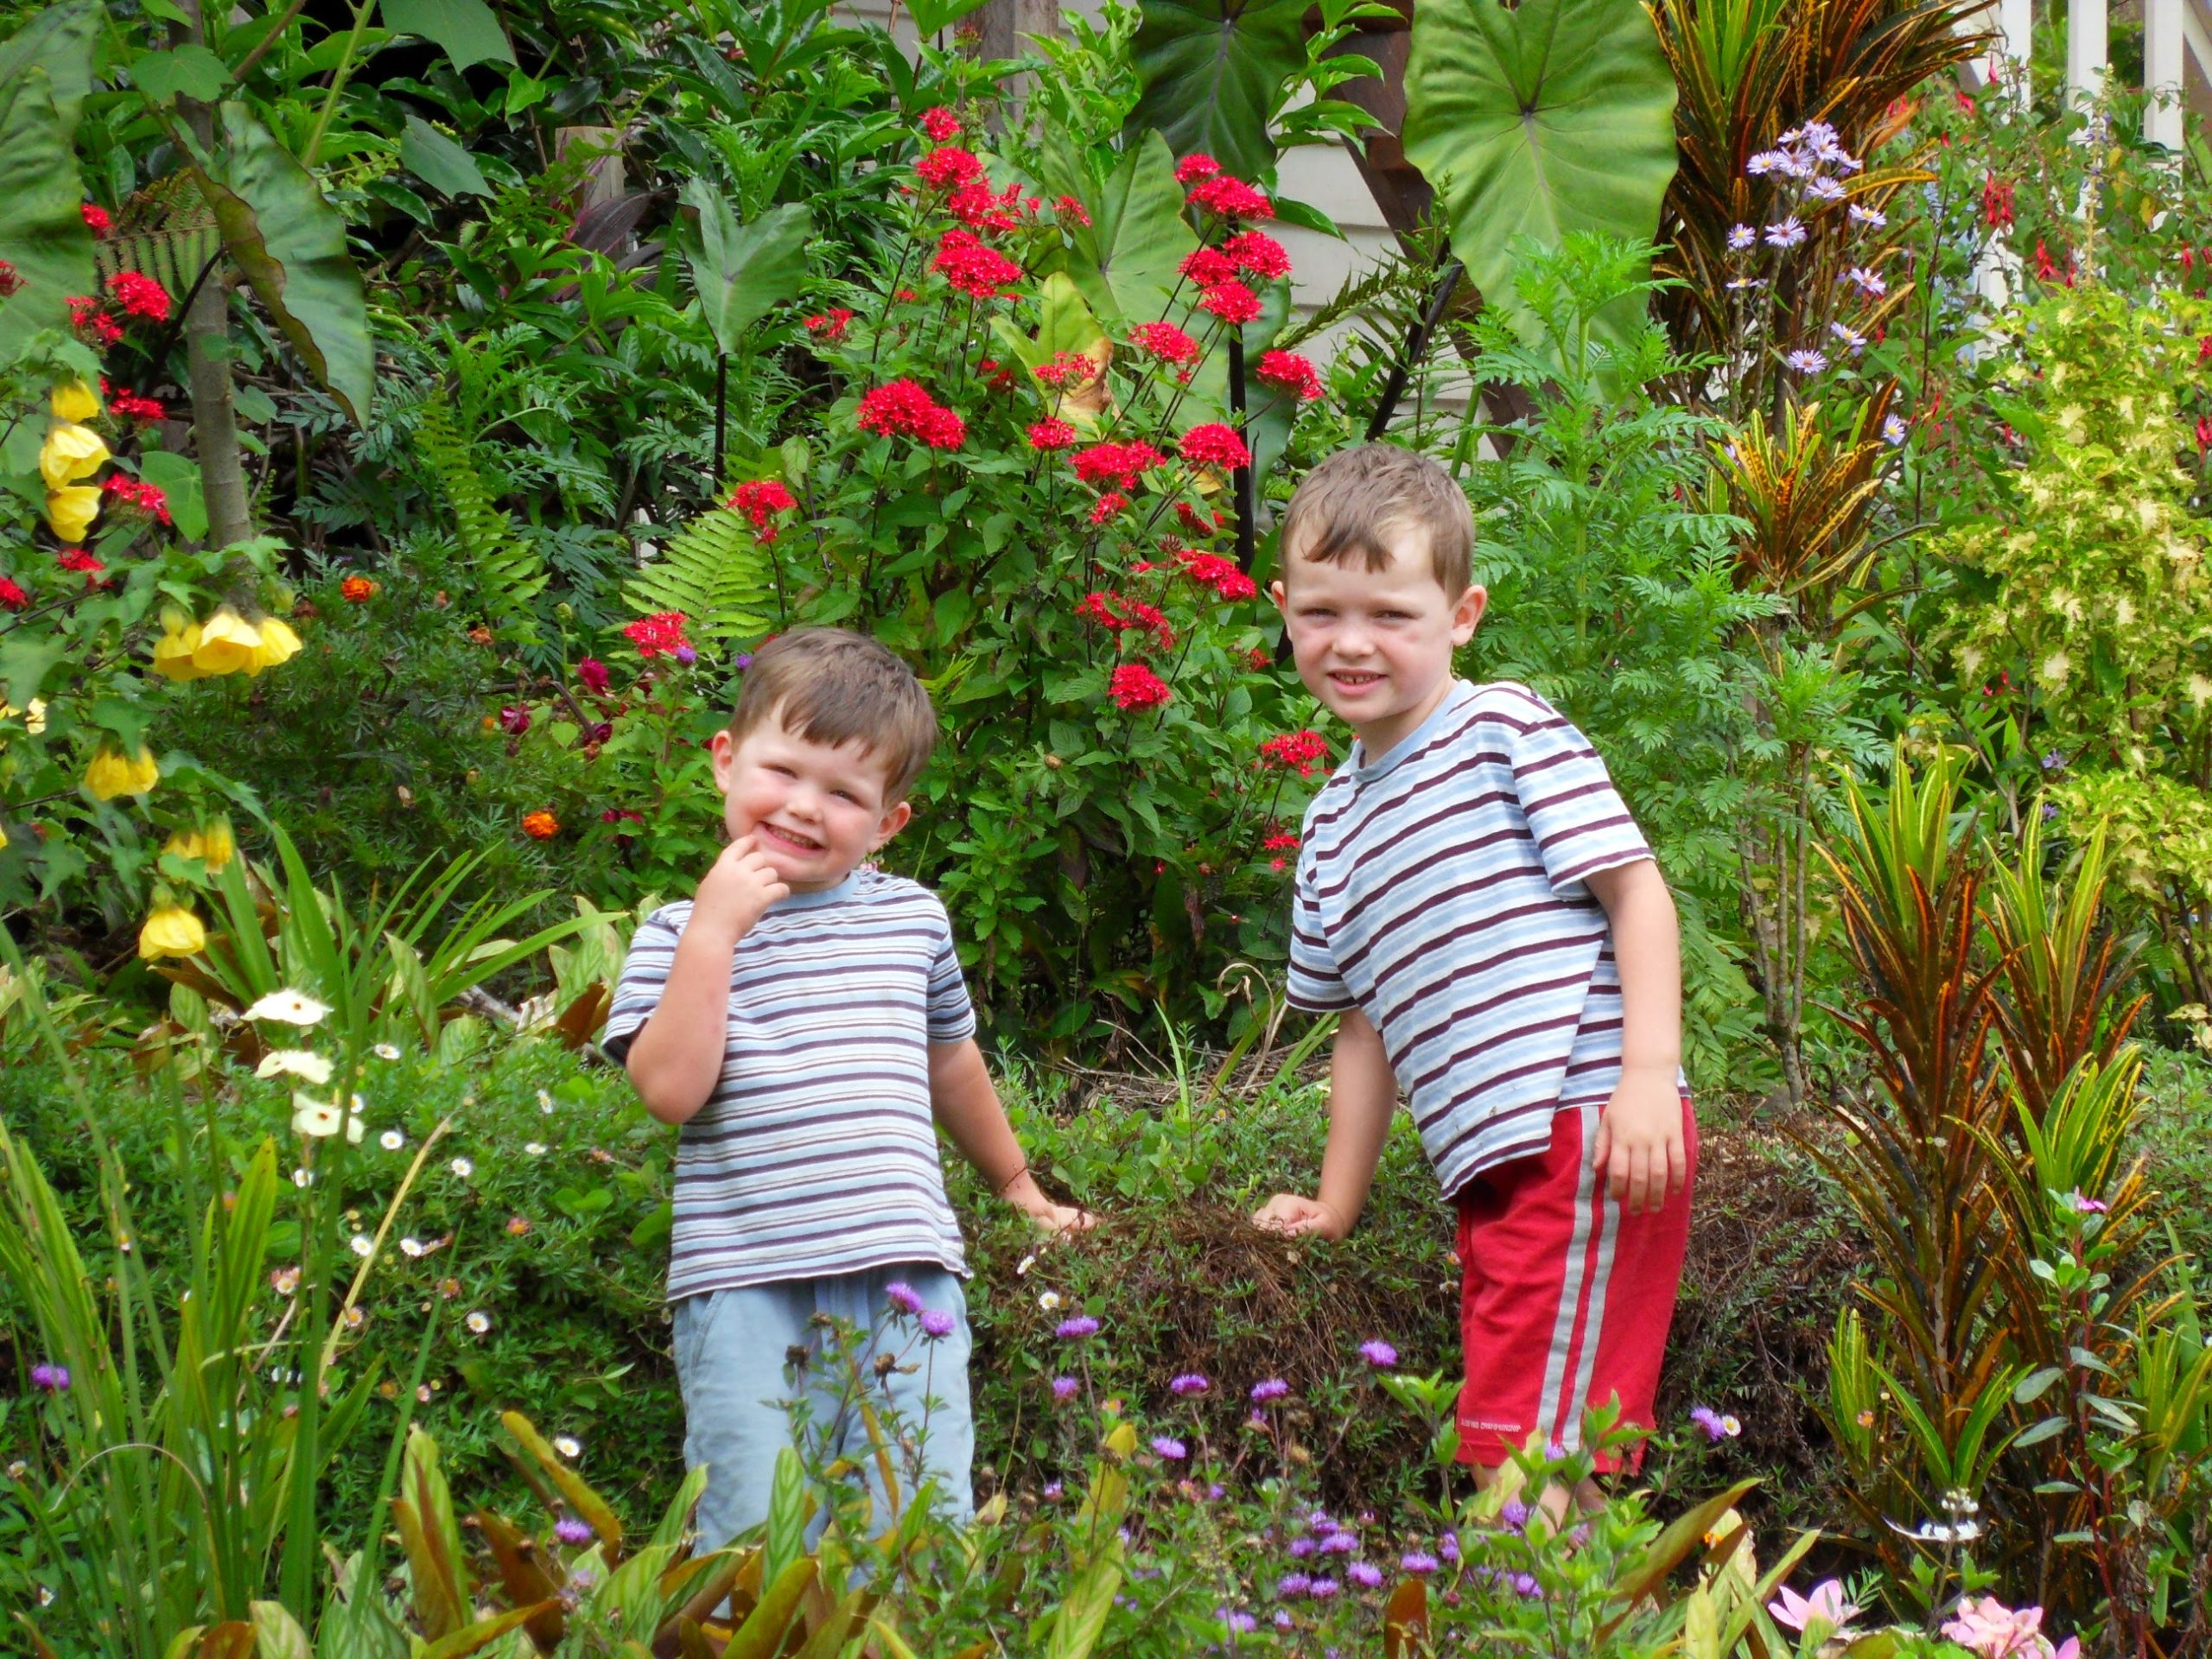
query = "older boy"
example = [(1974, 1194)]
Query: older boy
[(1475, 902), (804, 1021)]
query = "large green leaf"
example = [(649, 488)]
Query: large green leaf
[(467, 30), (743, 271), (42, 233), (438, 161), (59, 41), (290, 243), (1213, 73), (1128, 260), (1553, 117)]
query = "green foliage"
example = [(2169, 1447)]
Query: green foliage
[(43, 71), (507, 570), (713, 573)]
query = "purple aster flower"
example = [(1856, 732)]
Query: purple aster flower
[(1739, 284), (1292, 1586), (1805, 360), (1448, 1547), (1301, 1548), (1321, 1589), (1053, 1491), (1215, 1491), (1170, 1448), (1339, 1543), (1273, 1388), (1525, 1584), (1515, 1514), (901, 1296), (1764, 163), (1189, 1382), (1741, 236), (1849, 335), (1869, 281), (50, 1379), (1709, 1420), (937, 1323), (1786, 234), (1076, 1328), (1893, 431), (1063, 1389), (1824, 190), (1283, 1620), (1418, 1562), (1378, 1353), (1258, 1419), (569, 1530), (1322, 1523), (1366, 1575), (742, 661), (1871, 216), (685, 654), (1239, 1624)]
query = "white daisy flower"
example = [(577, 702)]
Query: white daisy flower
[(1026, 1264), (302, 1178), (392, 1140), (385, 1051), (362, 1244), (292, 1007), (535, 1148), (315, 1117), (478, 1322), (566, 1445), (544, 1101), (462, 1167), (411, 1246), (1048, 1300), (296, 1062)]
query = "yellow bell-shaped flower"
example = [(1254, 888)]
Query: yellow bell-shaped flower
[(3, 841), (278, 644), (172, 930), (212, 845), (71, 452), (227, 644), (34, 720), (173, 654), (74, 401), (71, 510), (114, 773)]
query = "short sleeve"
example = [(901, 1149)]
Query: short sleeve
[(951, 1015), (1579, 823), (644, 977), (1314, 984)]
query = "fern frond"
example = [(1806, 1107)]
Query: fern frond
[(508, 570), (713, 572)]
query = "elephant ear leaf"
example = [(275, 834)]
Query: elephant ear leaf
[(744, 271), (1212, 72), (1553, 117), (290, 243), (42, 234), (58, 41)]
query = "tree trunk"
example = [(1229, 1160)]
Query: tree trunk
[(1001, 24), (207, 354)]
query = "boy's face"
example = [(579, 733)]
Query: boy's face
[(1375, 646), (816, 811)]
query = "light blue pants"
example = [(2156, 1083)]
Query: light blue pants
[(733, 1352)]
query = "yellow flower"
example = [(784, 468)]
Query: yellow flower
[(172, 930), (74, 400), (71, 510), (34, 722), (173, 654), (112, 774), (3, 841), (278, 644), (227, 644), (212, 845), (71, 452)]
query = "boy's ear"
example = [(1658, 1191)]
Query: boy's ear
[(722, 749), (1280, 594), (1467, 614), (894, 820)]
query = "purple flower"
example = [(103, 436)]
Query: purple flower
[(1366, 1575), (1189, 1382), (569, 1530), (685, 655), (1893, 431), (1321, 1589), (901, 1296), (514, 722), (1301, 1548), (1378, 1353), (1786, 234), (1849, 335), (1283, 1620), (1339, 1543), (1273, 1388), (1805, 360), (742, 661), (1741, 236), (1765, 162), (1871, 216), (592, 673), (1869, 281), (1238, 1624), (50, 1379), (2053, 761), (1525, 1584), (1709, 1420), (937, 1324), (1824, 190), (1076, 1328), (1063, 1388), (1053, 1491), (1215, 1491), (1515, 1514), (2087, 1206), (1418, 1562), (1322, 1523), (1448, 1547), (1167, 1447), (1292, 1586)]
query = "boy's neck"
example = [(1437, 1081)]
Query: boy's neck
[(1378, 738)]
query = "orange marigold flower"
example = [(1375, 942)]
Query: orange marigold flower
[(357, 589), (540, 825)]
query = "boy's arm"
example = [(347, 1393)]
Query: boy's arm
[(1363, 1093), (1640, 1144), (968, 1107), (675, 1059)]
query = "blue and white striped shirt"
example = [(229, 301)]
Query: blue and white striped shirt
[(1440, 891), (816, 1153)]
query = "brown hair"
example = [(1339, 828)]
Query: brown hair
[(834, 687), (1346, 504)]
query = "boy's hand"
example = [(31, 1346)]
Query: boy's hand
[(740, 888), (1057, 1218), (1291, 1215), (1640, 1149)]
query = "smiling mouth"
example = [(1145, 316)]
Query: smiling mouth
[(1354, 681), (790, 838)]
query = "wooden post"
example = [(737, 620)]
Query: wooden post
[(2087, 54), (1002, 25), (2164, 70)]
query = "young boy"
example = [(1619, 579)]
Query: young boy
[(804, 1021), (1477, 905)]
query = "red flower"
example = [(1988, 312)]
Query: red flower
[(1214, 444), (133, 493), (1298, 751), (592, 673), (140, 296), (972, 268), (75, 558), (1258, 660), (1051, 435), (902, 408), (1107, 505), (830, 326), (1207, 266), (974, 205), (2204, 349), (129, 406), (540, 825), (1196, 523), (948, 168), (1280, 843), (942, 429), (1289, 371), (89, 319), (1118, 613), (95, 218), (1165, 341), (1196, 166), (1231, 302), (1257, 253), (356, 590), (940, 123), (11, 280), (2203, 435), (12, 597), (1069, 208), (759, 501), (1996, 203), (1119, 463), (1966, 103), (1232, 199), (1212, 570), (661, 631), (1066, 368), (1135, 686)]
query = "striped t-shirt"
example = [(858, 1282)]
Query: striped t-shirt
[(1440, 892), (816, 1153)]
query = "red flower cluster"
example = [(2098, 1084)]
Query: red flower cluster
[(129, 406), (900, 408), (1231, 302), (1197, 523), (91, 321), (2203, 435), (1289, 371), (96, 218), (1118, 463), (1196, 166), (1118, 613), (1165, 341), (592, 673), (1299, 751), (1069, 208), (829, 326), (948, 168), (1281, 843), (971, 267), (1996, 203), (1067, 369), (1135, 686), (941, 124), (661, 631), (135, 493), (1207, 266), (140, 296), (1212, 570), (1258, 254), (974, 205), (1214, 444), (759, 501), (1107, 505), (75, 558), (1231, 199), (1051, 435), (12, 597), (11, 280)]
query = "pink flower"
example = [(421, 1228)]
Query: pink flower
[(140, 296), (1119, 463), (1993, 1630), (902, 408), (1212, 570), (1207, 266), (592, 673), (96, 218), (829, 326), (1071, 210), (759, 501), (1825, 1604), (1107, 505), (661, 631)]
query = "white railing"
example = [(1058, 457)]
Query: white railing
[(2175, 34)]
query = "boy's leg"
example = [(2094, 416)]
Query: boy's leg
[(1566, 1297), (926, 1387), (731, 1348)]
